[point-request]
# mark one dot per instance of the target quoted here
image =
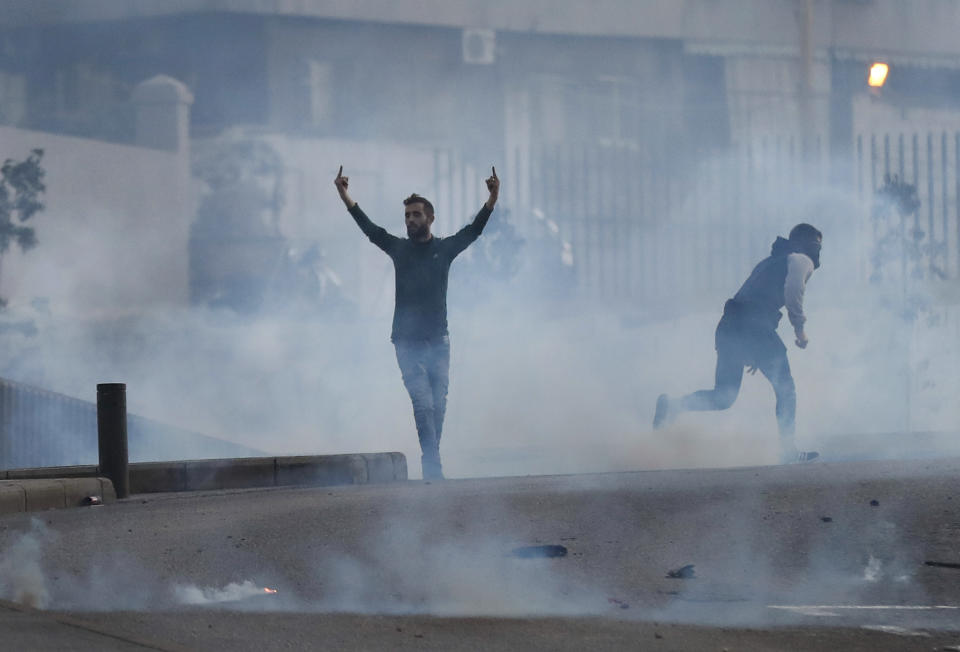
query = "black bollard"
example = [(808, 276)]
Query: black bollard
[(112, 435)]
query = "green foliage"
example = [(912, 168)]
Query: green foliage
[(905, 257), (899, 241), (21, 190), (898, 194)]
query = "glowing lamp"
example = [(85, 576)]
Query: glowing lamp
[(878, 74)]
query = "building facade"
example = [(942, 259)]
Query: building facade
[(611, 122)]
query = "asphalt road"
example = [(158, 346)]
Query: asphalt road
[(822, 556)]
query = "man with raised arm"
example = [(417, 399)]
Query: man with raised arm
[(421, 264), (747, 337)]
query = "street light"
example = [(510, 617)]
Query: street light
[(878, 74)]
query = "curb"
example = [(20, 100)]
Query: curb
[(26, 490), (36, 494)]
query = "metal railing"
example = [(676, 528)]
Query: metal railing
[(930, 162), (42, 428), (658, 223)]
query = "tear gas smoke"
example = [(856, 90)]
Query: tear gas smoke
[(21, 576), (537, 385), (552, 370), (233, 592)]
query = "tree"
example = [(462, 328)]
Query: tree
[(904, 261), (21, 191), (21, 187), (898, 241)]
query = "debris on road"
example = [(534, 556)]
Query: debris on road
[(532, 552), (826, 519), (874, 503), (619, 603), (683, 573), (942, 564), (92, 500)]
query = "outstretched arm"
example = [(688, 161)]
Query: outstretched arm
[(377, 234), (462, 238), (341, 182), (493, 187)]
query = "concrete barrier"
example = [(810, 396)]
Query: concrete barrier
[(147, 477), (238, 473), (68, 486), (44, 494), (13, 497), (35, 494), (389, 467), (327, 470)]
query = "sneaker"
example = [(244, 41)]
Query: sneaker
[(662, 416)]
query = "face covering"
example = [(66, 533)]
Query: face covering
[(811, 249)]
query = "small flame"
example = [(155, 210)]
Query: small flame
[(267, 589), (878, 74)]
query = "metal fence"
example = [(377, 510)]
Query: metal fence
[(649, 224), (930, 161), (658, 224), (41, 428)]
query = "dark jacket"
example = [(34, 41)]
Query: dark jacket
[(758, 302), (421, 270)]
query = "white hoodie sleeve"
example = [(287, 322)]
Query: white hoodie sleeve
[(799, 269)]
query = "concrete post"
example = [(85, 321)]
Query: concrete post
[(163, 113), (112, 435)]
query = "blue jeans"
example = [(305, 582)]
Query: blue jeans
[(425, 367)]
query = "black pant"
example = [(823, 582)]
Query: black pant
[(741, 342)]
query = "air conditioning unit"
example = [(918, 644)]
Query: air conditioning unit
[(479, 45)]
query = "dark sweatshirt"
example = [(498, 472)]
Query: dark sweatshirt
[(777, 281), (421, 270)]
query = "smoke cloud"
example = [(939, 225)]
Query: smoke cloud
[(555, 367), (538, 384), (21, 576)]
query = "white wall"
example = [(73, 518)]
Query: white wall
[(113, 237)]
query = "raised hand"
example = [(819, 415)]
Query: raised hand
[(493, 186), (342, 182)]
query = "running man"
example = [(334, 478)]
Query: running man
[(747, 337)]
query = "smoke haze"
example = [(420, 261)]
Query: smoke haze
[(647, 164), (635, 200), (537, 385)]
